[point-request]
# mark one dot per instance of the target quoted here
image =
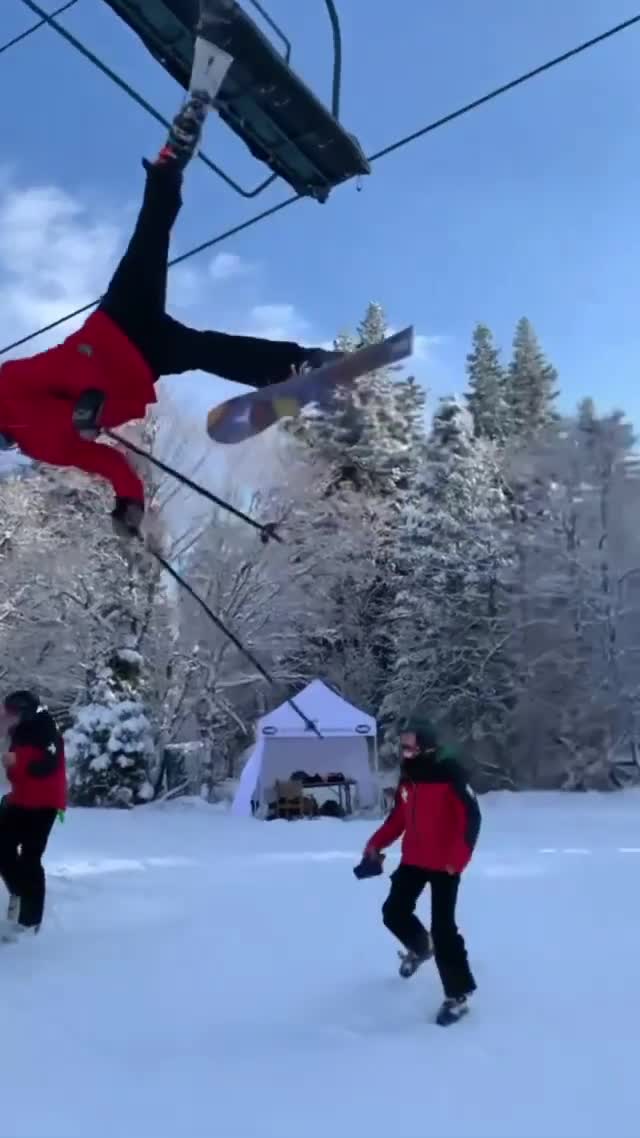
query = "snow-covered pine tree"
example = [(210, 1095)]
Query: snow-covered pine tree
[(110, 745), (531, 383), (70, 589), (449, 616), (486, 396), (410, 422), (575, 599), (367, 437), (365, 451), (329, 433), (586, 414)]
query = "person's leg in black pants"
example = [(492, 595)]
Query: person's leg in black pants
[(23, 839), (242, 359), (136, 297), (11, 818), (398, 911), (448, 944), (37, 827)]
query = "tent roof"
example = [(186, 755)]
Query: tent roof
[(329, 711)]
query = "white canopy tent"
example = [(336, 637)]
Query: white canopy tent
[(285, 745)]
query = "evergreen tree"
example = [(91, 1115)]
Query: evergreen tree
[(367, 436), (395, 410), (587, 414), (531, 386), (409, 423), (448, 614), (574, 596), (608, 436), (486, 396), (110, 743), (364, 448)]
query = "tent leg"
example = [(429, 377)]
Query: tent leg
[(376, 771)]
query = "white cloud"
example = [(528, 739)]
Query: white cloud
[(276, 322), (185, 288), (54, 257), (424, 345), (228, 266)]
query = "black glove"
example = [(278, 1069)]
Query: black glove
[(87, 413), (370, 866), (319, 357), (127, 516)]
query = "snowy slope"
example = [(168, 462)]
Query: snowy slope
[(198, 975), (12, 462)]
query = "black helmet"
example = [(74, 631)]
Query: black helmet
[(22, 703), (424, 731)]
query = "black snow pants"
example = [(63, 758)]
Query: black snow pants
[(136, 301), (24, 834), (398, 914)]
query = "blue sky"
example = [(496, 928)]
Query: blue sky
[(527, 206)]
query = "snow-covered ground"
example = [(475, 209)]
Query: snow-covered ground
[(198, 975)]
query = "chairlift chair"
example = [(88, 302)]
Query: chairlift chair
[(265, 103)]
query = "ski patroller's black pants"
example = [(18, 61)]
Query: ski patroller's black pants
[(398, 914), (136, 301), (23, 839)]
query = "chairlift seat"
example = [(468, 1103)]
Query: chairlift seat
[(265, 103)]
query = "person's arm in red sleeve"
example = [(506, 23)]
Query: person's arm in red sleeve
[(18, 761), (108, 463), (51, 436), (467, 820), (390, 830)]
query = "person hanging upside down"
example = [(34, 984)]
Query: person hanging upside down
[(53, 405)]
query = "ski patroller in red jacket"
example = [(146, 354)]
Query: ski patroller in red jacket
[(38, 396), (38, 776), (437, 812)]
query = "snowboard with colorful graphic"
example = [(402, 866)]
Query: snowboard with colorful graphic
[(248, 415)]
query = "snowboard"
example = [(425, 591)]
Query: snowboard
[(246, 416)]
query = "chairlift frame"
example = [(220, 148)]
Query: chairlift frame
[(280, 120)]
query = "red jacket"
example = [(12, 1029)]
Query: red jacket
[(38, 396), (438, 813), (38, 777)]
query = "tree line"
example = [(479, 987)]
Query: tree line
[(477, 562)]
